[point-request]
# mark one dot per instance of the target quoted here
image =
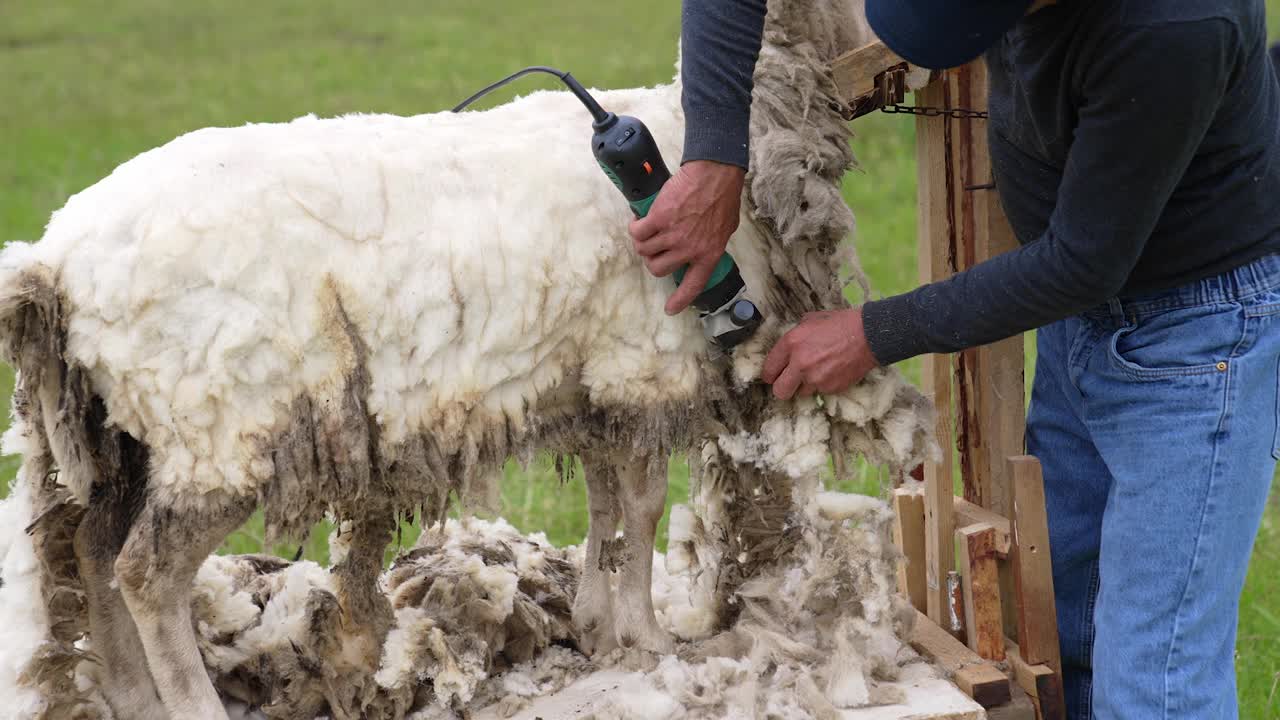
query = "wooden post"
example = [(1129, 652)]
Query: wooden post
[(989, 379), (1040, 682), (908, 534), (979, 393), (983, 624), (1032, 570), (937, 261)]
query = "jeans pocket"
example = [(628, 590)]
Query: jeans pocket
[(1192, 341)]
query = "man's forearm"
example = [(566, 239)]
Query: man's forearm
[(1021, 290), (720, 43)]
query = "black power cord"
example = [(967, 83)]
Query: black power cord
[(598, 114)]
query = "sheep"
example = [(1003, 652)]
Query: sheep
[(361, 316)]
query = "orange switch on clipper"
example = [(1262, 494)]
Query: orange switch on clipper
[(648, 169)]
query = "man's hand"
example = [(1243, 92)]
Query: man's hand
[(827, 352), (690, 224)]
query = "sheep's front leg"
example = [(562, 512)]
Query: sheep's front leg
[(643, 496), (366, 612), (155, 568), (593, 605)]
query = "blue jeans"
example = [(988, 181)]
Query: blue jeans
[(1155, 419)]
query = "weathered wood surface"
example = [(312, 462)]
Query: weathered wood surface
[(908, 535), (856, 70), (978, 678), (966, 513), (983, 624), (1032, 571), (933, 161)]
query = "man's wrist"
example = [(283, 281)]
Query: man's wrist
[(717, 133), (887, 327), (858, 331)]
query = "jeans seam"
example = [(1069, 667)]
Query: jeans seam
[(1262, 310), (1087, 641), (1195, 554)]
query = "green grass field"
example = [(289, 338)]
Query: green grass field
[(84, 88)]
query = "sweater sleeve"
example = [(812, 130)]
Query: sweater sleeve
[(720, 41), (1149, 97)]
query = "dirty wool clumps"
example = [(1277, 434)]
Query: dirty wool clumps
[(482, 621), (471, 599)]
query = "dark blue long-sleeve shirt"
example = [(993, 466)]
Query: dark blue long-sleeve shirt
[(1135, 146)]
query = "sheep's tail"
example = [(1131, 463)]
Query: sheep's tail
[(41, 561), (18, 269)]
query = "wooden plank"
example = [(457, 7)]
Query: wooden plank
[(937, 261), (918, 695), (983, 625), (1040, 682), (999, 401), (855, 71), (1009, 592), (979, 679), (966, 513), (908, 535), (1032, 571)]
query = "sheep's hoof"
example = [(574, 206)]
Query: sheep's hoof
[(654, 639), (596, 638)]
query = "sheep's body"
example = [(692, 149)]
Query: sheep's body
[(479, 260), (363, 315)]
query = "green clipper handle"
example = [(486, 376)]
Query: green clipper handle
[(725, 266)]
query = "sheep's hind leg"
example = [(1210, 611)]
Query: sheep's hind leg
[(593, 604), (121, 672), (156, 567), (643, 495)]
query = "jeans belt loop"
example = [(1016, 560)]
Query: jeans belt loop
[(1117, 310)]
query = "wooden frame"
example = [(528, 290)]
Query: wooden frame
[(998, 529)]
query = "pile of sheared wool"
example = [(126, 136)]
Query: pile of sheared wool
[(482, 620)]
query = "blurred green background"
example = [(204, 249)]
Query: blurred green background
[(85, 86)]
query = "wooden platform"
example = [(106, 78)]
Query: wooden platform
[(927, 697)]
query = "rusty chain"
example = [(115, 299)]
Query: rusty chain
[(952, 113), (890, 89)]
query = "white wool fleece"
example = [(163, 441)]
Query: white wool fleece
[(480, 258), (26, 621)]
